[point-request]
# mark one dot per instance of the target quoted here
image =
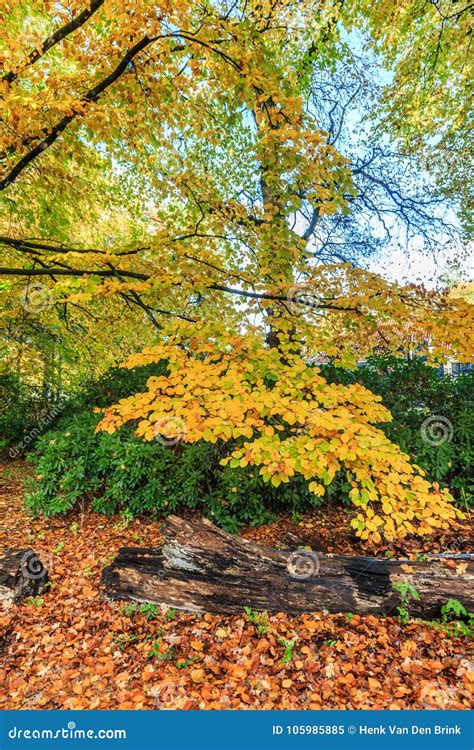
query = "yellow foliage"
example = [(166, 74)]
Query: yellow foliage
[(287, 421)]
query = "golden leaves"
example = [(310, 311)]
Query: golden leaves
[(282, 417)]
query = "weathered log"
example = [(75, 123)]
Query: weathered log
[(22, 573), (201, 568)]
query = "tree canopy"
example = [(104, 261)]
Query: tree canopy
[(192, 170)]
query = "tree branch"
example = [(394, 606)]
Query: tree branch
[(52, 40), (113, 273)]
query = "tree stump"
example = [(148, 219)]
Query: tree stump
[(22, 573), (201, 568)]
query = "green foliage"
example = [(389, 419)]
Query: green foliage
[(114, 384), (413, 391), (149, 610), (458, 628), (128, 609), (260, 619), (28, 411), (407, 592), (403, 615), (289, 649), (25, 413), (156, 652), (452, 609), (122, 474), (184, 663), (34, 601), (456, 621)]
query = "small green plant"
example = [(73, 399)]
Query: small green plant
[(454, 627), (156, 653), (126, 518), (296, 517), (167, 655), (260, 619), (349, 616), (183, 663), (289, 649), (74, 527), (149, 610), (155, 649), (422, 556), (128, 609), (170, 614), (459, 627), (122, 641), (59, 548), (453, 616), (407, 592), (330, 642), (34, 601), (453, 609), (403, 616)]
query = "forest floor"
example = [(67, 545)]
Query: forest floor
[(72, 649)]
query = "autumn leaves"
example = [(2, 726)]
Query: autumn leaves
[(281, 416)]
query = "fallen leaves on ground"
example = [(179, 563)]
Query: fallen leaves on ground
[(71, 649)]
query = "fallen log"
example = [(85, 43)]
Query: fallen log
[(22, 573), (201, 568)]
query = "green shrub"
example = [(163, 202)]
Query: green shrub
[(25, 413), (414, 392), (122, 473), (114, 384)]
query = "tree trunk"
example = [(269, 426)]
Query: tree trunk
[(22, 574), (200, 568)]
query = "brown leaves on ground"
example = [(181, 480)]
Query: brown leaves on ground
[(71, 649), (327, 529)]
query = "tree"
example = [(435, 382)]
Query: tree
[(427, 105), (196, 129)]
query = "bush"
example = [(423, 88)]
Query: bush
[(114, 384), (25, 413), (433, 417), (122, 473)]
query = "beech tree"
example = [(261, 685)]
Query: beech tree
[(173, 156)]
